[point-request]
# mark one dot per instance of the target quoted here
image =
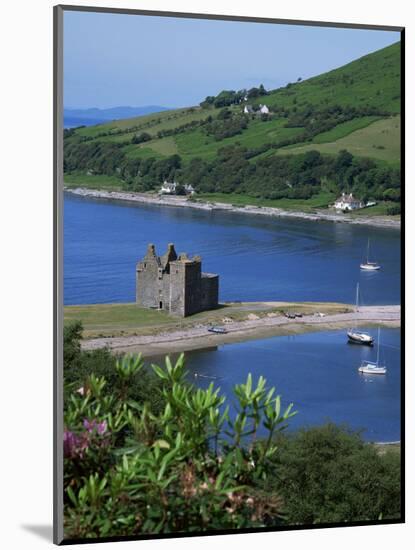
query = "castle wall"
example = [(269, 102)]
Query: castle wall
[(209, 291), (176, 285), (175, 289), (148, 281), (193, 288)]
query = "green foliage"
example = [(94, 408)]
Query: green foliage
[(130, 469), (328, 474), (226, 125), (146, 452), (140, 138), (394, 210), (78, 365), (229, 97), (257, 92), (292, 177)]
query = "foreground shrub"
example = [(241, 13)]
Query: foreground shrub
[(79, 364), (131, 470), (329, 474)]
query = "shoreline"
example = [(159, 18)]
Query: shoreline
[(193, 338), (182, 202)]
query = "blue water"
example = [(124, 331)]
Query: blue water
[(318, 373), (257, 258), (74, 121)]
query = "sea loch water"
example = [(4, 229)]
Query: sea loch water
[(257, 259), (317, 372)]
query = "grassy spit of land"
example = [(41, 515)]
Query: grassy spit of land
[(127, 327)]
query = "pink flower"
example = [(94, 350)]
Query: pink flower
[(102, 427), (99, 427), (74, 446)]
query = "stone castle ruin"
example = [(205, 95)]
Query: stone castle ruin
[(174, 283)]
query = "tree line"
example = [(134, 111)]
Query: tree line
[(225, 98), (232, 171)]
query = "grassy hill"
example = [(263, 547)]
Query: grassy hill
[(355, 107), (379, 140), (370, 80)]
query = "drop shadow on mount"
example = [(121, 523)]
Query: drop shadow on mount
[(44, 532)]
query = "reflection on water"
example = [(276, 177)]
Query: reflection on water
[(318, 373)]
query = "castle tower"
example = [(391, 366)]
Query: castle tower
[(148, 271), (185, 285), (175, 283)]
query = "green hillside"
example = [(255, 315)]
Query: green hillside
[(219, 149), (379, 140), (370, 80)]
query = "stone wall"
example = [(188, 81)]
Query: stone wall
[(147, 279), (210, 291), (175, 284)]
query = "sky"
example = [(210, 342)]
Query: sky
[(118, 60)]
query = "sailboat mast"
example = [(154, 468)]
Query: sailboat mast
[(357, 297), (377, 358), (368, 244)]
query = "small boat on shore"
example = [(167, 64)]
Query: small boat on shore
[(371, 367), (368, 265), (356, 336), (218, 330)]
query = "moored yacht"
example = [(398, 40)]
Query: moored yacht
[(368, 265), (357, 336), (368, 367), (371, 367)]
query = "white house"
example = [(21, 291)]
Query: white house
[(262, 110), (189, 189), (169, 188), (348, 203)]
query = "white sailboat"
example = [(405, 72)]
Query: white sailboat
[(368, 265), (370, 367), (356, 336)]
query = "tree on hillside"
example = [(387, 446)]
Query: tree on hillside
[(141, 138)]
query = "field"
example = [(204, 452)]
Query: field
[(101, 181), (344, 129), (379, 140), (322, 200), (194, 142), (129, 319), (152, 123)]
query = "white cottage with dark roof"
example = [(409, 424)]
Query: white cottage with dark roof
[(348, 202)]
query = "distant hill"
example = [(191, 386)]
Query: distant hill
[(355, 107), (96, 116)]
